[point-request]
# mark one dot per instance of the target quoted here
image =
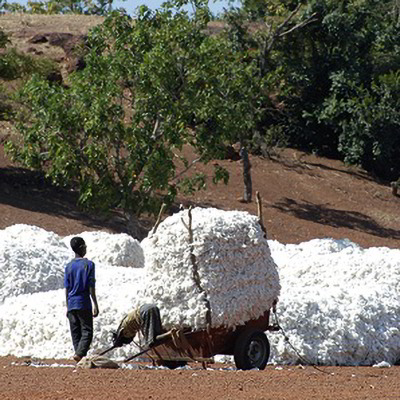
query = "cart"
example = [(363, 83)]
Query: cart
[(248, 344)]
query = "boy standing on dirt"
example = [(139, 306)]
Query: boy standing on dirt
[(79, 283)]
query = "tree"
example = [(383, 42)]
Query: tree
[(273, 21), (369, 124), (334, 92), (150, 86)]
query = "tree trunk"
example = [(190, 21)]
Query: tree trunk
[(248, 187)]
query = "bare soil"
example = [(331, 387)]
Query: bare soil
[(24, 382), (303, 196)]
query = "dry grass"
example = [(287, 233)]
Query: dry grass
[(22, 27), (76, 24)]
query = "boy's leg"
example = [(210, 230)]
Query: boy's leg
[(75, 327), (86, 322)]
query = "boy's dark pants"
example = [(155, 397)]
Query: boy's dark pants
[(81, 325)]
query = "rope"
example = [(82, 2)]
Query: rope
[(286, 338), (197, 280)]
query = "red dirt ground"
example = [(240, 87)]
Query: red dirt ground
[(304, 197), (287, 383)]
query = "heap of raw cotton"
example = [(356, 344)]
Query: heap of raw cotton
[(33, 311), (113, 249), (236, 275), (31, 260), (339, 304)]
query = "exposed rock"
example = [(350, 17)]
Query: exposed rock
[(39, 38)]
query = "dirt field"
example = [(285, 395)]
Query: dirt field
[(25, 382), (304, 197)]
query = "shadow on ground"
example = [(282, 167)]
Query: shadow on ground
[(31, 191), (335, 218)]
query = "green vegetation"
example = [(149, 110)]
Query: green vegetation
[(116, 131), (17, 66), (319, 75)]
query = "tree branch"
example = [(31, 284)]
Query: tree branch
[(186, 169), (301, 25)]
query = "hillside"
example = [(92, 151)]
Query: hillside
[(304, 196)]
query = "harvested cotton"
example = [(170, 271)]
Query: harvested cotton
[(32, 308), (339, 303), (31, 260), (110, 248), (237, 274), (36, 325)]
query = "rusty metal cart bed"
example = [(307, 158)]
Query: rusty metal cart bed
[(248, 344)]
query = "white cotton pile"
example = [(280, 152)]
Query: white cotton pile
[(339, 303), (35, 325), (31, 260), (112, 249), (33, 312), (237, 275)]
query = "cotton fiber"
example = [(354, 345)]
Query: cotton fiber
[(236, 273), (112, 249), (338, 305), (31, 260)]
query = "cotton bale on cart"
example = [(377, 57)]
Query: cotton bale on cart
[(212, 275)]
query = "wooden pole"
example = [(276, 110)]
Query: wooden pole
[(159, 217), (260, 215)]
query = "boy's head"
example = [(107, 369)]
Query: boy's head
[(78, 245)]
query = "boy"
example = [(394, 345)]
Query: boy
[(79, 283)]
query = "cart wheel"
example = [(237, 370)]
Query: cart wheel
[(251, 350), (173, 364)]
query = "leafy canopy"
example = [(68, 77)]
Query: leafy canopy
[(150, 87)]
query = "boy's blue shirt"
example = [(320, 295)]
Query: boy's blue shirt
[(78, 277)]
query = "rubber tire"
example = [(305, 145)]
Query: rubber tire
[(252, 350)]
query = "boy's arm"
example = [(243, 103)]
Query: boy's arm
[(66, 285), (92, 288), (92, 292), (66, 297)]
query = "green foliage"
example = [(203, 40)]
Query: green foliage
[(256, 9), (323, 79), (369, 123), (4, 41), (331, 71), (14, 65), (12, 7), (149, 88), (221, 174), (188, 186)]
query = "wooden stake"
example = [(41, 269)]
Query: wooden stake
[(159, 217), (260, 216)]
